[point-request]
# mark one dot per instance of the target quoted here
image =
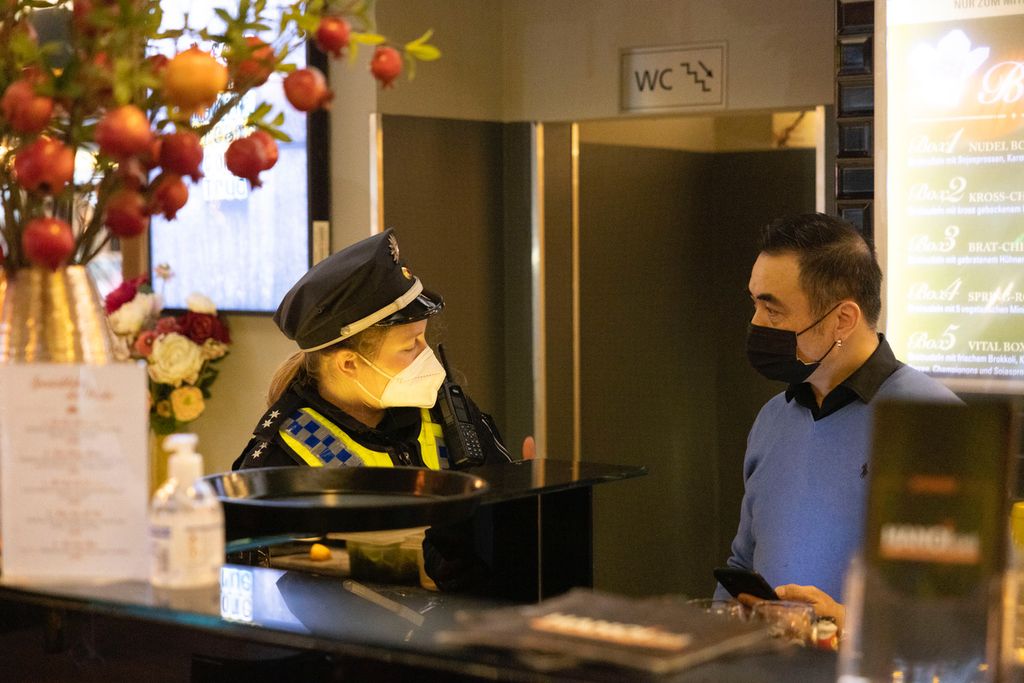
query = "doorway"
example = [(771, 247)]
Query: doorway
[(669, 216)]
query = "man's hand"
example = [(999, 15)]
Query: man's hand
[(824, 605)]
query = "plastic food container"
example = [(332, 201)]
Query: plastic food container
[(386, 556)]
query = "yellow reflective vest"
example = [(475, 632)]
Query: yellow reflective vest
[(321, 443)]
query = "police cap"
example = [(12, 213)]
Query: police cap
[(360, 286)]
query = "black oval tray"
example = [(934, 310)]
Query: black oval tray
[(276, 501)]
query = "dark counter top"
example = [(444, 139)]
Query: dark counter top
[(392, 625)]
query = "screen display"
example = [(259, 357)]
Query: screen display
[(955, 190), (241, 247)]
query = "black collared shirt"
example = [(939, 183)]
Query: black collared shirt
[(863, 384)]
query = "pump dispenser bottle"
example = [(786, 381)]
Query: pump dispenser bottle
[(186, 522)]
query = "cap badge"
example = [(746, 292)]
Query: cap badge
[(406, 273), (393, 247)]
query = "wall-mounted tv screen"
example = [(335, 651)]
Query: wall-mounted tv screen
[(241, 247), (955, 190)]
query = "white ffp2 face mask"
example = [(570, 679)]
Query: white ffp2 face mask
[(414, 387)]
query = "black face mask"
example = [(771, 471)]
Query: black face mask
[(772, 352)]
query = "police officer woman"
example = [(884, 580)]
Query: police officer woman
[(362, 388)]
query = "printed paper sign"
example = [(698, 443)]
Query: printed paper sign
[(73, 472)]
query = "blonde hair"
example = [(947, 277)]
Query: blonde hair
[(303, 364)]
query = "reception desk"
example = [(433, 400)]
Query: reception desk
[(266, 623)]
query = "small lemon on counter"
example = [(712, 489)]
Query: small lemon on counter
[(319, 552)]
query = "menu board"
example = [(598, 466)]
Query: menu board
[(955, 190)]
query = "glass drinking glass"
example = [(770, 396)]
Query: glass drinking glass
[(729, 609), (789, 621)]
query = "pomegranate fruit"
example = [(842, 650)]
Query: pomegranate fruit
[(245, 158), (126, 213), (169, 194), (182, 154), (158, 63), (255, 69), (386, 64), (150, 159), (269, 147), (306, 89), (124, 132), (26, 111), (47, 242), (332, 35), (133, 173), (45, 165), (193, 79)]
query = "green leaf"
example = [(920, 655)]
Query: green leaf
[(421, 40), (410, 70), (307, 23), (278, 120), (122, 92), (367, 38), (424, 53), (353, 51), (223, 14), (279, 135)]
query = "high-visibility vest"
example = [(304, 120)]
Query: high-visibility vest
[(321, 443)]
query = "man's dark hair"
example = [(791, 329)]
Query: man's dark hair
[(836, 261)]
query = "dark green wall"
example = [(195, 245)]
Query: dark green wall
[(443, 188), (667, 241)]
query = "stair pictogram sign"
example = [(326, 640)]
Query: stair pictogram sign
[(680, 77)]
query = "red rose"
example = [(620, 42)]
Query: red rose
[(202, 326), (167, 325), (123, 293)]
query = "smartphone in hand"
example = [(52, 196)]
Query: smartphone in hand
[(738, 581)]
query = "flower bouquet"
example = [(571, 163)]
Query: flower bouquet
[(181, 351)]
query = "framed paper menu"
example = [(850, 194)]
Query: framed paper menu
[(954, 189), (73, 472)]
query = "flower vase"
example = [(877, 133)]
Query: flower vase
[(53, 316), (157, 461)]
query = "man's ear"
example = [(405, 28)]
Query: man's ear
[(848, 318)]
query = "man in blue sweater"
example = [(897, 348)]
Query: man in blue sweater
[(816, 288)]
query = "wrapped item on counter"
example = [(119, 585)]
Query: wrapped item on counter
[(659, 635)]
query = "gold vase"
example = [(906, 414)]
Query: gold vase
[(157, 461), (53, 317)]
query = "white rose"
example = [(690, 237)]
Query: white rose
[(198, 303), (175, 359), (129, 318)]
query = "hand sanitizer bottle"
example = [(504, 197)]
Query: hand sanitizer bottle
[(186, 522)]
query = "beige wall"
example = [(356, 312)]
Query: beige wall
[(558, 60), (467, 82), (562, 56), (516, 60)]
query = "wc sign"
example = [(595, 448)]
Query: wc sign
[(680, 77)]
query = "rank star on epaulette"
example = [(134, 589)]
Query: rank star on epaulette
[(271, 418), (258, 451)]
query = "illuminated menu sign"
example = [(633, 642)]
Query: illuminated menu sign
[(955, 190)]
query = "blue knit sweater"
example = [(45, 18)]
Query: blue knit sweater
[(804, 493)]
